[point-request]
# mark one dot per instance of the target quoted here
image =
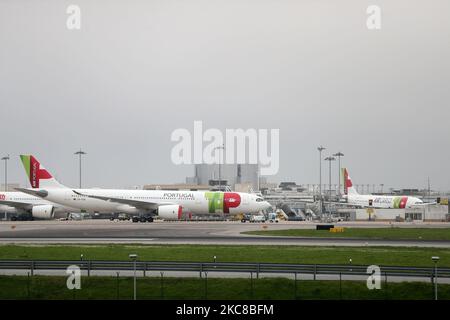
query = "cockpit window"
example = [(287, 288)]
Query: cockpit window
[(259, 199)]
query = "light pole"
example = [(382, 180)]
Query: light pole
[(257, 177), (222, 147), (6, 158), (435, 260), (80, 153), (329, 159), (321, 148), (339, 155), (134, 258)]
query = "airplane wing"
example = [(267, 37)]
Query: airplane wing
[(37, 193), (346, 204), (15, 204), (134, 203)]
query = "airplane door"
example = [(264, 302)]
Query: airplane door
[(246, 200)]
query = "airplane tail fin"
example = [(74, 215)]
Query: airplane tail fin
[(348, 185), (39, 177)]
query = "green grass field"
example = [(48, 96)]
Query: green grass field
[(52, 287), (229, 253), (364, 233)]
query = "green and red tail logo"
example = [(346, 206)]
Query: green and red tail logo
[(347, 181), (34, 171)]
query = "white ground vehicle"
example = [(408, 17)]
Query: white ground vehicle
[(273, 217), (120, 217), (258, 218)]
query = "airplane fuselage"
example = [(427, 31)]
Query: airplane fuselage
[(23, 198), (198, 202), (19, 197), (383, 202)]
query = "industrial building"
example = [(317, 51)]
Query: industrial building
[(236, 176), (177, 186)]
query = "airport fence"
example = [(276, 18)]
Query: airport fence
[(234, 267), (120, 273)]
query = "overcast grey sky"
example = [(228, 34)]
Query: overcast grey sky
[(137, 70)]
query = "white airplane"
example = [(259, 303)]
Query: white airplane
[(163, 203), (374, 201), (23, 206)]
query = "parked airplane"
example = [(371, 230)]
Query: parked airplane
[(376, 201), (166, 204), (22, 206)]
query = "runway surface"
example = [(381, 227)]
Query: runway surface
[(105, 231)]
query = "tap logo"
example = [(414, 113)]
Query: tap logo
[(34, 181), (400, 202), (222, 201)]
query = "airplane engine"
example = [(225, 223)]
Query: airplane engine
[(170, 212), (43, 212)]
